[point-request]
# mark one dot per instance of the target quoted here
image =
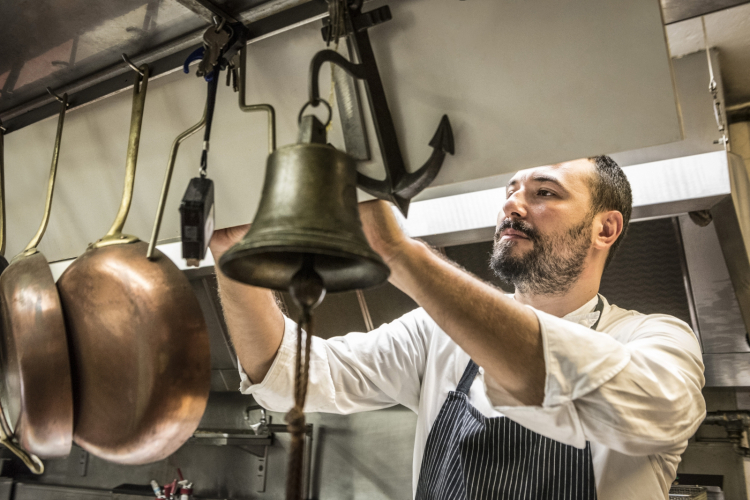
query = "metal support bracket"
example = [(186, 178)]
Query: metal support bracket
[(256, 441), (736, 423)]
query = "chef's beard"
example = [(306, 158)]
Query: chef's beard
[(553, 264)]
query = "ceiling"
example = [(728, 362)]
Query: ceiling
[(729, 31)]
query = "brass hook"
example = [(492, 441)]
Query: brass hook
[(54, 94), (130, 63)]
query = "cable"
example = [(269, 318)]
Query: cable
[(210, 105)]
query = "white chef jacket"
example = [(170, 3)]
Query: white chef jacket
[(632, 388)]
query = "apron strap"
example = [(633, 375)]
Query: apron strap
[(472, 368), (468, 377)]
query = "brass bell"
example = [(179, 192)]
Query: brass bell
[(307, 214)]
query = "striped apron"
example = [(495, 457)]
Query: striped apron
[(471, 457)]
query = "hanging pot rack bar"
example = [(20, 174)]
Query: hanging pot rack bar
[(262, 21)]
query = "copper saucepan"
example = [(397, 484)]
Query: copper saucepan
[(36, 396), (138, 340)]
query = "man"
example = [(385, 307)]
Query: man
[(551, 393)]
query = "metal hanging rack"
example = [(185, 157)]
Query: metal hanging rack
[(262, 21)]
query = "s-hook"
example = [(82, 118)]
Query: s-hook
[(59, 99), (130, 63)]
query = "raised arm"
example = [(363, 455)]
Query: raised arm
[(499, 334), (255, 322)]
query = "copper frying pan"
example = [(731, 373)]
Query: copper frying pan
[(6, 433), (138, 340), (36, 396)]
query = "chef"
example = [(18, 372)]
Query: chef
[(549, 393)]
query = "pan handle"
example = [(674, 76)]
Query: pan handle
[(168, 178), (114, 236), (31, 247), (33, 462)]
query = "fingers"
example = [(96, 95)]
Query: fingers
[(381, 227), (223, 239)]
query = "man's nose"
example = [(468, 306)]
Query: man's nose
[(514, 206)]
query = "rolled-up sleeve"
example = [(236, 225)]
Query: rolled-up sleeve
[(639, 396), (356, 372)]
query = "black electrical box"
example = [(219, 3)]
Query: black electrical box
[(197, 219)]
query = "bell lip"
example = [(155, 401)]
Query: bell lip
[(306, 145), (375, 264)]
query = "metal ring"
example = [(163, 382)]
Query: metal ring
[(130, 63), (54, 94), (314, 104)]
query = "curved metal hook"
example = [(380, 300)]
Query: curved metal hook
[(399, 185), (132, 66), (256, 107), (168, 179), (356, 70), (54, 94)]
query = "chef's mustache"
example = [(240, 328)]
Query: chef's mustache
[(517, 225)]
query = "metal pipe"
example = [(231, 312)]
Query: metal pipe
[(737, 107), (113, 71), (150, 57), (686, 280), (365, 310)]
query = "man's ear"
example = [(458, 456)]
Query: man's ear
[(610, 228)]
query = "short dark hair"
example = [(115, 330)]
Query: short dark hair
[(610, 190)]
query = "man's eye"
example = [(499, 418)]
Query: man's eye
[(544, 192)]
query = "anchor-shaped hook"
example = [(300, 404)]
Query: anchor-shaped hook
[(399, 185)]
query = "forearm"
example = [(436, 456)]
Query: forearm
[(499, 334), (255, 323)]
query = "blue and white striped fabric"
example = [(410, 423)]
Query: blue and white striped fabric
[(471, 457)]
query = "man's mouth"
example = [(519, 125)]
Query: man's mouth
[(512, 234)]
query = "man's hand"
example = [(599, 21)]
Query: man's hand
[(382, 230), (223, 239)]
